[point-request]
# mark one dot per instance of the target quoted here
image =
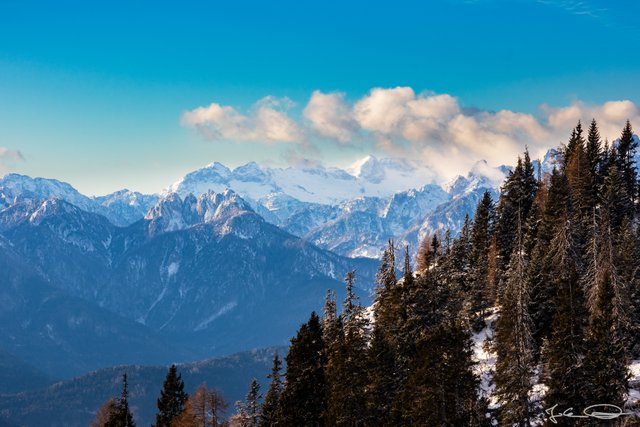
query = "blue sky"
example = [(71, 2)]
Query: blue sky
[(95, 93)]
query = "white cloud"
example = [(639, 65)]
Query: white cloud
[(427, 128), (330, 116), (434, 129), (610, 116), (267, 122)]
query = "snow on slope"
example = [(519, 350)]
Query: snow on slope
[(485, 359), (310, 184), (121, 208)]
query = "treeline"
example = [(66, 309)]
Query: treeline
[(557, 258), (206, 408)]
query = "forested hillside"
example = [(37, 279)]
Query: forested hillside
[(554, 262)]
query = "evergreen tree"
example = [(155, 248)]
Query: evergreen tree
[(627, 255), (594, 160), (172, 398), (121, 416), (388, 301), (516, 198), (346, 366), (332, 328), (602, 260), (605, 363), (540, 274), (252, 407), (626, 152), (303, 400), (578, 172), (441, 389), (382, 383), (423, 258), (614, 197), (457, 263), (478, 299), (514, 343), (564, 351), (269, 415)]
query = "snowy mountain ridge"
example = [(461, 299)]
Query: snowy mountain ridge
[(351, 211), (310, 184)]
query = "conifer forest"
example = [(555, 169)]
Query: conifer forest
[(544, 281)]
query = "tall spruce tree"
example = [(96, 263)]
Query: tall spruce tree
[(303, 400), (441, 389), (514, 342), (120, 415), (627, 255), (594, 160), (382, 385), (564, 350), (388, 300), (346, 364), (540, 272), (172, 398), (252, 407), (440, 385), (478, 297), (269, 415), (516, 198), (605, 363), (626, 154)]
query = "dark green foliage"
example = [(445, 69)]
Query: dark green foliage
[(441, 389), (120, 415), (252, 407), (562, 354), (514, 343), (627, 255), (516, 198), (440, 386), (539, 275), (269, 415), (627, 147), (172, 398), (347, 365), (388, 313), (382, 383), (614, 197), (303, 400), (595, 161), (606, 376), (479, 294)]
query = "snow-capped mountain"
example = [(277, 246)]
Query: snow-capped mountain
[(352, 212), (125, 207), (309, 184), (15, 187), (363, 226), (122, 208)]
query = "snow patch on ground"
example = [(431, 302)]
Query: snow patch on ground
[(633, 400), (486, 359)]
